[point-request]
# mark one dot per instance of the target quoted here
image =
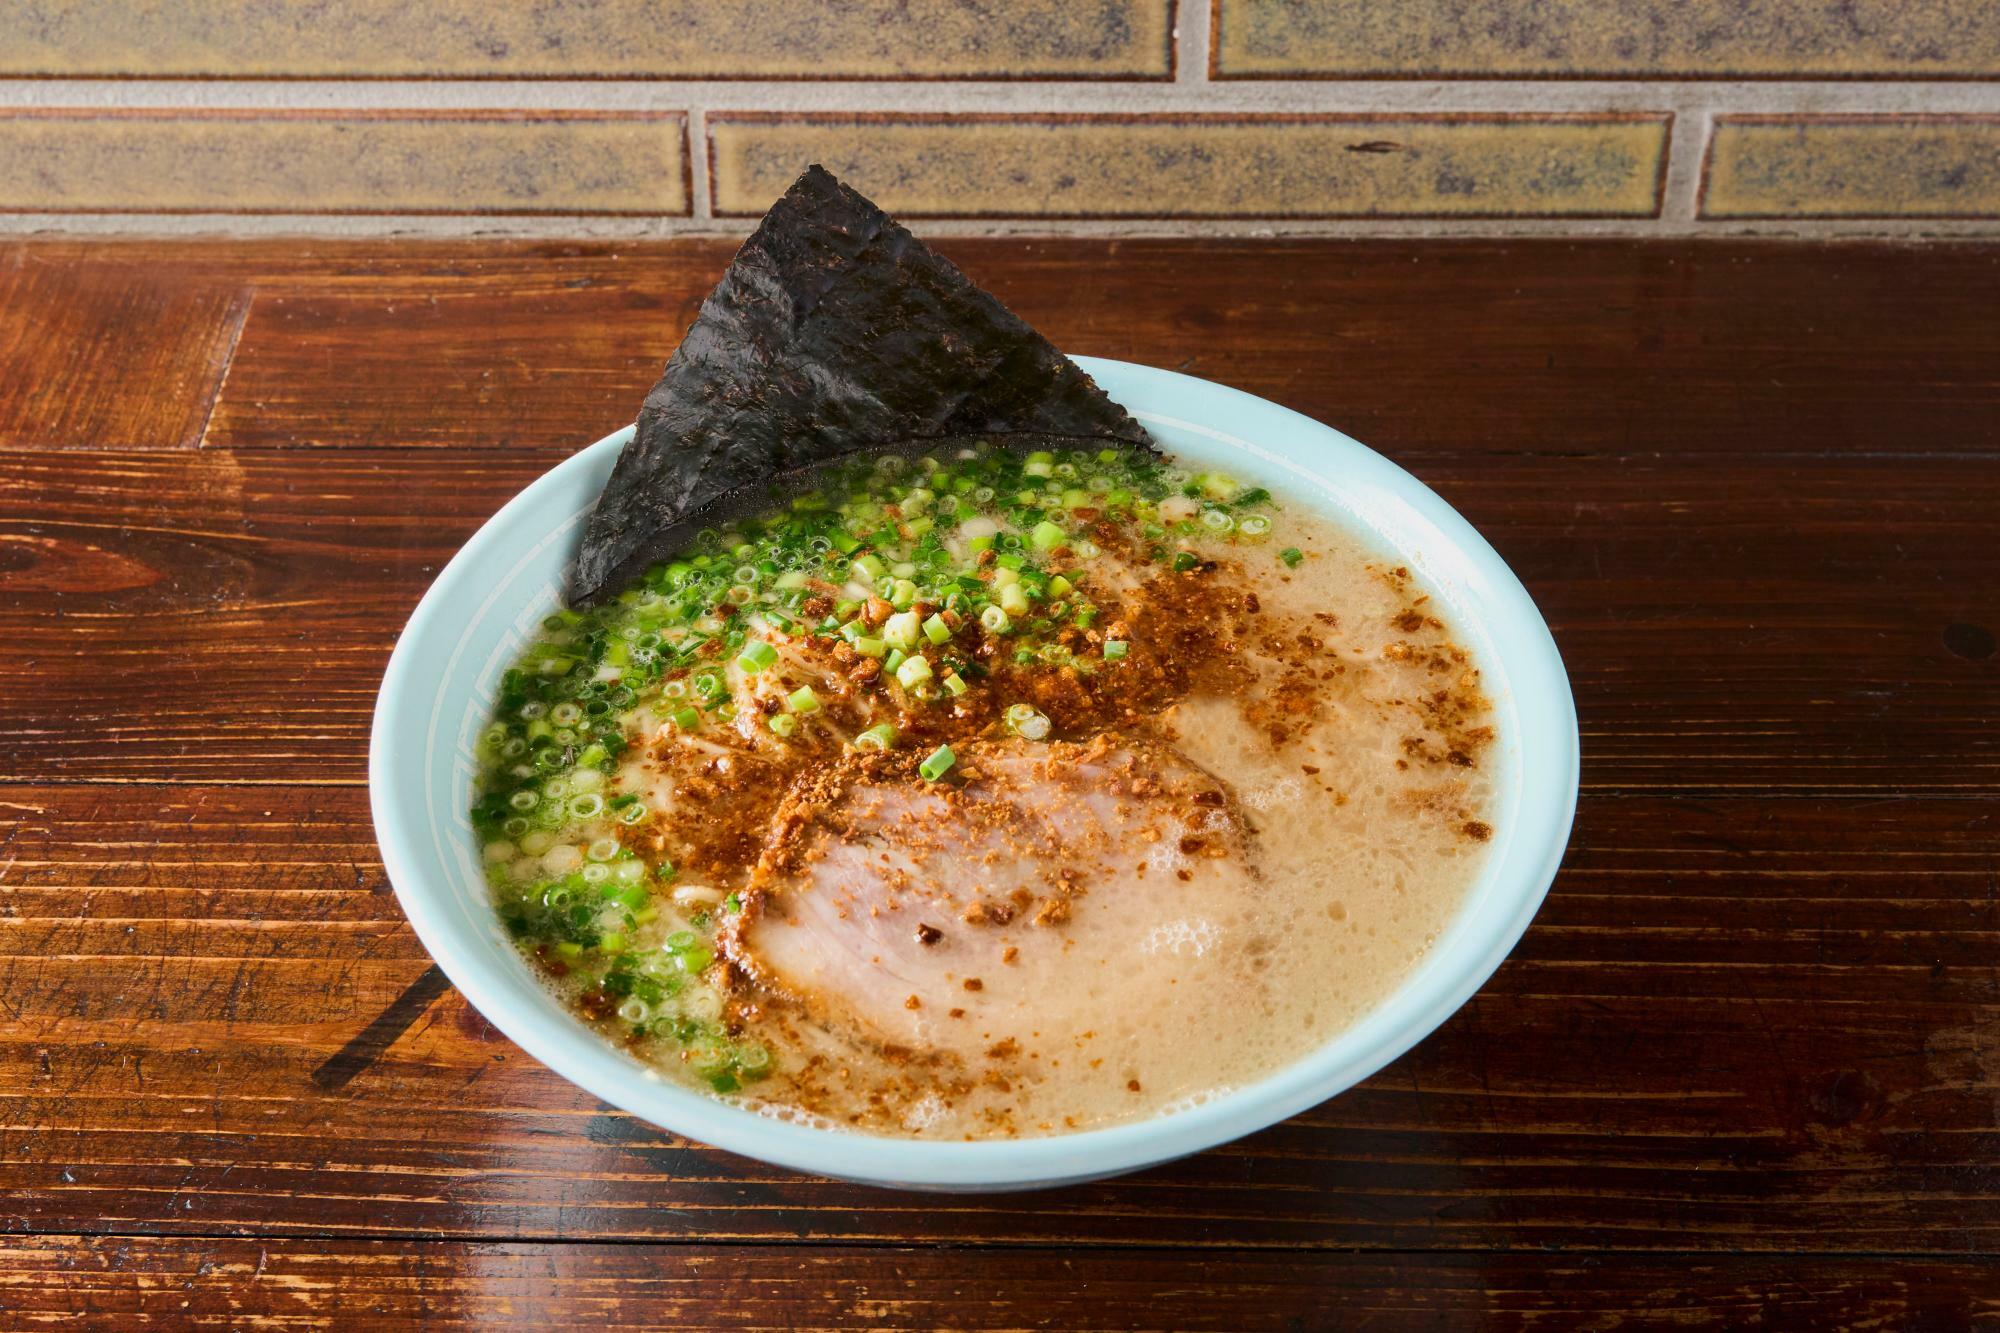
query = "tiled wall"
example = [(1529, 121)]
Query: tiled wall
[(1800, 117)]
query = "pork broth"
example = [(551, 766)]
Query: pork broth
[(989, 795)]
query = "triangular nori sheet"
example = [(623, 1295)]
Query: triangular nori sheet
[(833, 331)]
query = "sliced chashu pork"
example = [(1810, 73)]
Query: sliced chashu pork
[(1059, 890)]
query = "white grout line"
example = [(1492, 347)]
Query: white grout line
[(1358, 97), (697, 146), (1686, 143), (1192, 43), (629, 228)]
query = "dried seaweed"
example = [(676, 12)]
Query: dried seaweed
[(834, 331)]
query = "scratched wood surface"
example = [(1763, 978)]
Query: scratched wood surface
[(1745, 1065)]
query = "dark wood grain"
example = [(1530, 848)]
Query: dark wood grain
[(1517, 346), (542, 360), (1738, 1024), (122, 354), (1744, 1069), (1729, 623), (245, 1284)]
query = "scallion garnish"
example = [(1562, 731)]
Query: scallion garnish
[(756, 655), (939, 763), (1026, 721), (881, 736), (901, 630), (1114, 649), (913, 672), (936, 630), (1291, 555), (802, 700)]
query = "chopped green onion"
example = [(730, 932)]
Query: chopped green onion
[(938, 764), (1253, 525), (995, 620), (879, 737), (1014, 600), (1114, 649), (733, 903), (902, 630), (756, 655), (1184, 561), (870, 646), (783, 725), (894, 660), (1291, 555), (1026, 721), (913, 672), (802, 700), (1060, 586), (902, 593), (869, 568), (1046, 536), (955, 683), (935, 629), (687, 719)]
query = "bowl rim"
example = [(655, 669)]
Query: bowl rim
[(1533, 847)]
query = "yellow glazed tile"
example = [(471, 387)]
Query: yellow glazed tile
[(170, 162), (1187, 166), (814, 39), (1854, 167), (1640, 38)]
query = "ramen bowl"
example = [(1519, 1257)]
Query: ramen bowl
[(489, 601)]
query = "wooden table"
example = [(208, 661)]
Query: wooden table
[(1748, 1057)]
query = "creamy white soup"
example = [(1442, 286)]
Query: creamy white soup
[(991, 794)]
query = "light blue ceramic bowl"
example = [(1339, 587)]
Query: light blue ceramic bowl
[(439, 688)]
